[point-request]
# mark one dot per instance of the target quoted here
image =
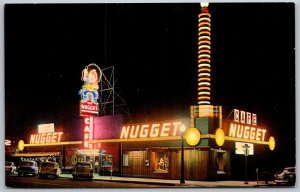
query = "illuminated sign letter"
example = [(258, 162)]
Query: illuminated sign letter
[(154, 130), (43, 137), (165, 129), (32, 139), (125, 132), (48, 137), (254, 119), (252, 133), (263, 134), (134, 131), (258, 134), (59, 136), (236, 115), (176, 126), (144, 130), (243, 116), (246, 132), (240, 129), (248, 118), (232, 130)]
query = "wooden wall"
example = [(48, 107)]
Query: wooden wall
[(196, 164)]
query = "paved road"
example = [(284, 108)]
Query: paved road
[(65, 181), (35, 182)]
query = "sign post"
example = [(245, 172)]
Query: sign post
[(246, 146)]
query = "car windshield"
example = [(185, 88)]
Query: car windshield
[(27, 163), (48, 164), (83, 165)]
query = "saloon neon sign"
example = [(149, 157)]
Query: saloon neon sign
[(164, 129)]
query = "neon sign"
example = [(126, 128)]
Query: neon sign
[(88, 132), (164, 129), (91, 76), (245, 117), (247, 132), (41, 138)]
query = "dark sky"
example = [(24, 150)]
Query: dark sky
[(153, 48)]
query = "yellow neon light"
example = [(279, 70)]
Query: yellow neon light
[(204, 19), (204, 83), (53, 144), (203, 65), (204, 79), (202, 33), (203, 74), (204, 28), (204, 93), (204, 23), (204, 55), (203, 102), (204, 69), (204, 42), (203, 15), (204, 46), (170, 138), (203, 60), (272, 143), (203, 37), (192, 136), (203, 88), (21, 145), (204, 51), (203, 97), (220, 137)]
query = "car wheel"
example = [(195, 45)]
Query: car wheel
[(19, 174)]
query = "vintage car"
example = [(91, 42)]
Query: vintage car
[(10, 167), (28, 168), (287, 176), (83, 170), (49, 169)]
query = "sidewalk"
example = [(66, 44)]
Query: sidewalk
[(177, 182)]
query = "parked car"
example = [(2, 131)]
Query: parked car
[(49, 169), (10, 168), (287, 176), (28, 168), (83, 170)]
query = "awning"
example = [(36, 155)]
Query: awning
[(37, 154)]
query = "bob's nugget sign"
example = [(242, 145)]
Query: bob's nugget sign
[(151, 130)]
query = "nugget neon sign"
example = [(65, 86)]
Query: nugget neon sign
[(164, 129)]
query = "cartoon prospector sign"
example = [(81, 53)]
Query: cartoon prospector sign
[(91, 76)]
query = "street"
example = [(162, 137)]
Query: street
[(13, 181)]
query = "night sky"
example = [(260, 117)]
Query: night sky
[(153, 48)]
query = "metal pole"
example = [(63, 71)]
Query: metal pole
[(182, 160), (246, 169), (257, 176)]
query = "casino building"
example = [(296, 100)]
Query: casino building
[(153, 149)]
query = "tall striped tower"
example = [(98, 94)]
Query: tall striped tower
[(204, 55)]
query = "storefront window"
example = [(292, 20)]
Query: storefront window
[(162, 163), (106, 160)]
